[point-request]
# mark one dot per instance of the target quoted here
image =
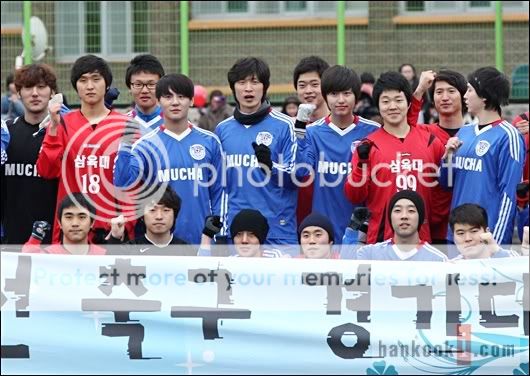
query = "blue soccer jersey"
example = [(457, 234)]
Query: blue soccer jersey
[(191, 163), (485, 171), (148, 122), (5, 141), (388, 251), (247, 186), (327, 149)]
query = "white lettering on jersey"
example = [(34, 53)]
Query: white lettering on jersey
[(241, 160), (469, 164), (182, 173), (21, 169), (327, 167)]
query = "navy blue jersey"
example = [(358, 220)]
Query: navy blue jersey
[(328, 150), (486, 169), (247, 186), (192, 165)]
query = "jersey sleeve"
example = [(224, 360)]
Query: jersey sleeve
[(52, 153), (131, 165), (510, 172), (215, 186), (286, 158), (5, 142), (305, 155), (357, 183), (414, 111)]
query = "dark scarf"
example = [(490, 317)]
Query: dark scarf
[(254, 118)]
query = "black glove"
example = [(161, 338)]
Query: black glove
[(263, 153), (212, 226), (522, 190), (359, 218), (40, 229), (363, 151), (298, 124)]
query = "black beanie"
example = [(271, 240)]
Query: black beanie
[(412, 196), (319, 220), (252, 221)]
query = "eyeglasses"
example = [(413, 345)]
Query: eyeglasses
[(140, 85)]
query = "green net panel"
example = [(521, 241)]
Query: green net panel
[(380, 36)]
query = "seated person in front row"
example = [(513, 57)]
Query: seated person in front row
[(316, 237), (159, 214), (406, 212), (249, 230), (76, 218), (472, 237)]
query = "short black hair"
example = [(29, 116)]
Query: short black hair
[(76, 200), (143, 63), (169, 199), (178, 83), (491, 85), (367, 78), (453, 78), (339, 78), (469, 214), (250, 66), (309, 64), (391, 81), (90, 64)]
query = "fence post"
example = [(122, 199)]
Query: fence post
[(184, 38), (28, 54), (341, 45), (499, 38)]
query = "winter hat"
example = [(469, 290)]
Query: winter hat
[(252, 221), (318, 220), (412, 196)]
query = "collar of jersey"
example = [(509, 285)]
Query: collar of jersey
[(342, 132), (178, 137)]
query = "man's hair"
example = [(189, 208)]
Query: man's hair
[(469, 214), (339, 78), (454, 79), (9, 80), (309, 64), (391, 81), (178, 83), (408, 65), (90, 64), (250, 66), (76, 200), (143, 63), (169, 199), (367, 78), (35, 74), (491, 85), (216, 93)]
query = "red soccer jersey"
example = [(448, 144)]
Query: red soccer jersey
[(395, 164), (82, 155)]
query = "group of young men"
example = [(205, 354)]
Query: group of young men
[(262, 181)]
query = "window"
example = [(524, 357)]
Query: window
[(11, 13), (445, 7), (113, 29), (273, 9)]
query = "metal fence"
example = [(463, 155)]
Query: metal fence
[(204, 38)]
